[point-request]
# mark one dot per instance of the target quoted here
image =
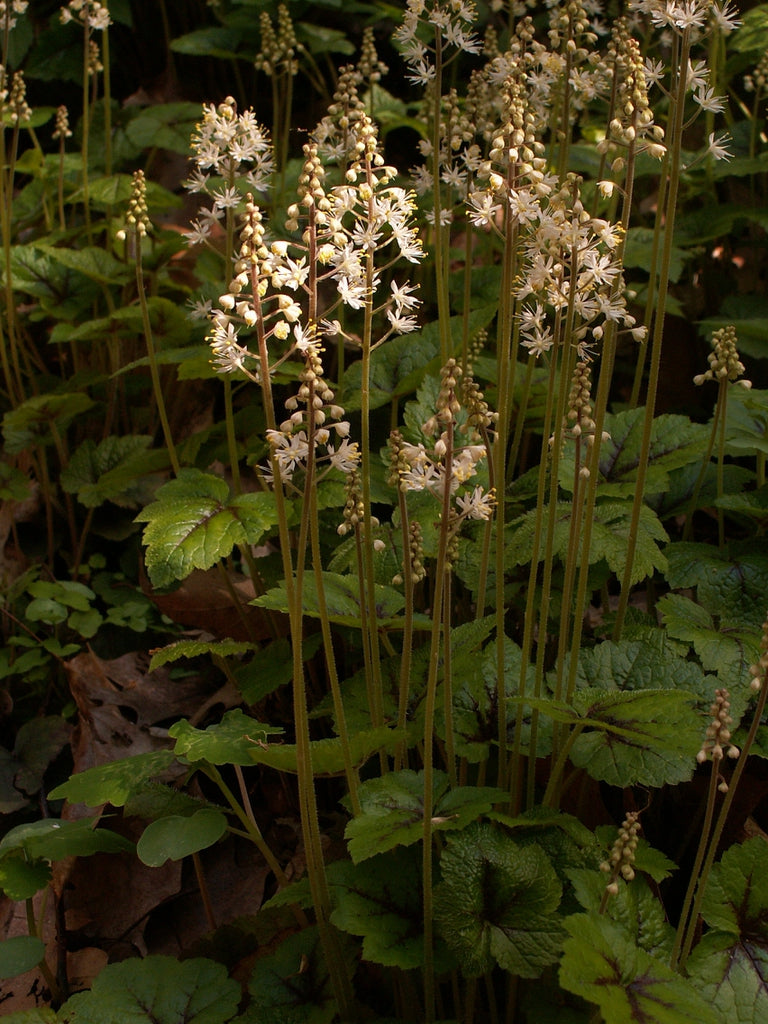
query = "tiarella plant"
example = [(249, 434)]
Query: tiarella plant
[(438, 576)]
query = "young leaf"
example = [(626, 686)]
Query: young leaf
[(21, 878), (634, 907), (393, 811), (197, 648), (156, 990), (230, 741), (178, 836), (112, 783), (20, 954), (27, 425), (497, 903), (602, 963), (51, 839), (108, 471), (195, 521)]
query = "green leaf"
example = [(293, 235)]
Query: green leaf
[(753, 32), (156, 990), (602, 963), (746, 424), (29, 424), (198, 648), (92, 261), (214, 41), (645, 737), (52, 839), (399, 367), (730, 583), (610, 538), (380, 900), (327, 755), (675, 442), (731, 975), (195, 521), (20, 878), (497, 903), (641, 665), (112, 783), (38, 742), (393, 811), (230, 741), (728, 650), (39, 1016), (178, 836), (638, 252), (736, 896), (292, 985), (109, 471), (634, 907), (165, 126), (342, 595), (20, 954)]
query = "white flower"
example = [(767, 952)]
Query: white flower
[(717, 146)]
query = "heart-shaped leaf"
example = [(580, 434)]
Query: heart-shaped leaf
[(177, 836)]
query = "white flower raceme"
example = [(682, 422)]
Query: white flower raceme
[(91, 13)]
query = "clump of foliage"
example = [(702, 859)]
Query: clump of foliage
[(384, 466)]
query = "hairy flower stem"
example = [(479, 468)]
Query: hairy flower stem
[(154, 368), (430, 702), (401, 752), (714, 843), (441, 240), (506, 362), (677, 116), (530, 601), (717, 420)]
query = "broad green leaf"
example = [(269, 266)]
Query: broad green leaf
[(29, 424), (645, 737), (393, 811), (380, 900), (230, 741), (730, 583), (610, 538), (195, 521), (475, 704), (327, 755), (20, 954), (292, 986), (710, 222), (155, 800), (21, 878), (112, 783), (39, 1016), (602, 963), (92, 261), (38, 742), (156, 990), (214, 41), (115, 190), (198, 648), (675, 442), (52, 839), (178, 836), (342, 595), (748, 313), (732, 974), (736, 896), (746, 425), (753, 31), (399, 367), (640, 665), (165, 126), (62, 292), (109, 471), (497, 903), (727, 651), (638, 252), (634, 907)]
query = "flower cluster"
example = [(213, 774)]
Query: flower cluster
[(724, 362), (453, 20), (717, 743), (90, 13), (621, 861), (228, 146), (278, 47), (10, 11)]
